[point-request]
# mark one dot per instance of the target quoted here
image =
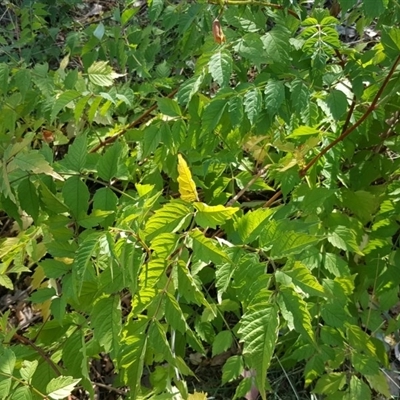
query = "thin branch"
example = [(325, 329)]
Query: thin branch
[(272, 199), (246, 187), (347, 132), (133, 124), (253, 3)]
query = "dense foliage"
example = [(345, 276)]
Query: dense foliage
[(185, 179)]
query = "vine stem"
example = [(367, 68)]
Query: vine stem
[(133, 124), (253, 2)]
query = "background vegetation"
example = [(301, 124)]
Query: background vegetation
[(199, 197)]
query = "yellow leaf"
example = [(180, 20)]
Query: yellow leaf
[(197, 396), (187, 187)]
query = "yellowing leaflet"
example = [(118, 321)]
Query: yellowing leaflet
[(187, 187)]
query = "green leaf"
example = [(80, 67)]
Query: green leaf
[(232, 369), (330, 383), (62, 101), (34, 162), (337, 103), (258, 331), (276, 45), (300, 95), (106, 322), (174, 314), (205, 249), (274, 96), (22, 393), (374, 8), (358, 389), (28, 369), (344, 239), (251, 224), (76, 196), (133, 350), (8, 360), (189, 88), (300, 276), (169, 107), (222, 342), (61, 387), (108, 164), (6, 282), (252, 104), (170, 218), (220, 67), (28, 198), (211, 216), (4, 73), (212, 115), (294, 310), (101, 74), (75, 159)]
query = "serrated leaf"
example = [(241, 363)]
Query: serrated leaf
[(232, 369), (344, 239), (212, 115), (170, 218), (34, 162), (294, 310), (106, 322), (300, 95), (222, 342), (4, 73), (252, 104), (75, 159), (300, 276), (8, 360), (28, 198), (174, 314), (211, 216), (220, 67), (258, 331), (22, 393), (61, 387), (276, 45), (169, 107), (76, 196), (206, 249), (62, 101), (337, 103), (250, 225), (274, 96), (330, 383), (101, 74), (107, 166), (187, 187), (28, 369), (189, 88), (6, 282)]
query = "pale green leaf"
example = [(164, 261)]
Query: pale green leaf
[(7, 362), (33, 162), (330, 383), (61, 387), (6, 282), (212, 216), (101, 74), (28, 369), (276, 45), (250, 225), (189, 88)]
